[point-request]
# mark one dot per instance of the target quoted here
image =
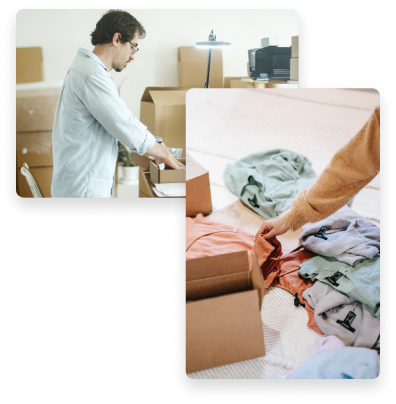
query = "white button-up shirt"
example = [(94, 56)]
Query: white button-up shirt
[(90, 117)]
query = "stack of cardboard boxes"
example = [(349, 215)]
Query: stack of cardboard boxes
[(35, 111)]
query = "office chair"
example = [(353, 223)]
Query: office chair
[(36, 191)]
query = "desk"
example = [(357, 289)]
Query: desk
[(250, 83)]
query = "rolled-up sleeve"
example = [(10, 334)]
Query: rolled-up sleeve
[(103, 102)]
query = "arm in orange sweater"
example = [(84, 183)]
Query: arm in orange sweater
[(351, 168)]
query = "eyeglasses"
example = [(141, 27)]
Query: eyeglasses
[(134, 48)]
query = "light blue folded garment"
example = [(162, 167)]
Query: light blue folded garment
[(341, 363), (268, 181)]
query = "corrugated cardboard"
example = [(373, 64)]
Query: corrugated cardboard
[(163, 111), (294, 69), (192, 67), (198, 196), (43, 177), (145, 185), (29, 65), (240, 216), (294, 47), (168, 175), (34, 148), (141, 161), (35, 109), (223, 322)]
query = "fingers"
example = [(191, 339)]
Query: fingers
[(270, 234), (265, 228)]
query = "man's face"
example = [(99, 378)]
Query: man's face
[(124, 55)]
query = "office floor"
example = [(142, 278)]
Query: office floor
[(226, 125)]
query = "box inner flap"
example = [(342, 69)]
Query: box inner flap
[(217, 285), (216, 265)]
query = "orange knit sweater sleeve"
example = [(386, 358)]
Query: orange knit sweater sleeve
[(351, 168)]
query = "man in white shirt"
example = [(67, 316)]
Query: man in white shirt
[(91, 117)]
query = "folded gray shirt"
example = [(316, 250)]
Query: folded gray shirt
[(359, 329), (348, 240)]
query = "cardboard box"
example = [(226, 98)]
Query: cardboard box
[(142, 161), (168, 175), (234, 82), (294, 46), (294, 69), (192, 67), (163, 111), (34, 148), (238, 215), (223, 321), (29, 65), (198, 196), (35, 109), (145, 185), (43, 177)]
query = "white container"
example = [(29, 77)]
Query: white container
[(130, 173)]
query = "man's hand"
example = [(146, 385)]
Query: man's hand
[(170, 160), (163, 155), (271, 228)]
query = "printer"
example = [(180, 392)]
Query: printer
[(271, 62)]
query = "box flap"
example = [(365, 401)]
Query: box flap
[(169, 97), (141, 161), (144, 186), (218, 285), (216, 265), (147, 96), (257, 278), (194, 169)]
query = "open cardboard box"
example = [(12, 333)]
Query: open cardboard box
[(145, 185), (163, 111), (168, 175), (223, 321), (198, 197), (237, 214)]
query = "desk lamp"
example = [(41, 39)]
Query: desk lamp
[(211, 43)]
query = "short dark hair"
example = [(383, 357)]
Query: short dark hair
[(116, 21)]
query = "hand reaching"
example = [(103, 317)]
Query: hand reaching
[(271, 228)]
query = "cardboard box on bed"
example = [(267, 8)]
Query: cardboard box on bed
[(238, 215), (163, 111), (223, 321), (198, 197), (168, 175)]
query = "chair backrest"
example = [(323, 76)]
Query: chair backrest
[(36, 191)]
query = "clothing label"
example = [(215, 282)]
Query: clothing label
[(334, 278), (347, 322)]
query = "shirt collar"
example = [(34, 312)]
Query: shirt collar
[(92, 56)]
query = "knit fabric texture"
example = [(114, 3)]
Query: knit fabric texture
[(351, 168)]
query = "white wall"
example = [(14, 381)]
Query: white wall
[(61, 32)]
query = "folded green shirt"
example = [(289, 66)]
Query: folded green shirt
[(361, 282), (268, 181)]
